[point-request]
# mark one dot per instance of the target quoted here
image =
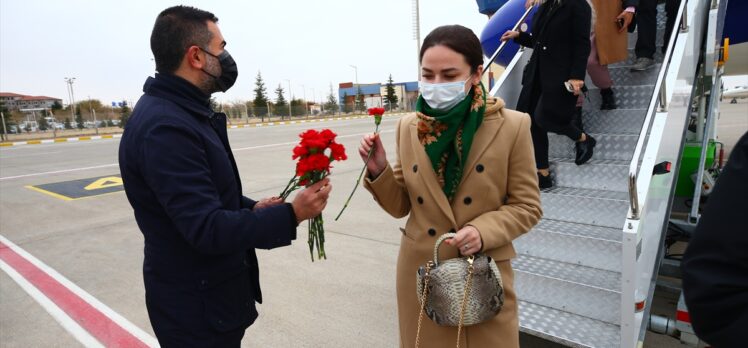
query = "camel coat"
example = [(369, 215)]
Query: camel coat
[(498, 195), (612, 46)]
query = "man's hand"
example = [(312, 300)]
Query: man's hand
[(312, 200), (626, 17), (468, 240), (510, 34), (267, 203)]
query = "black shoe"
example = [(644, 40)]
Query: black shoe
[(584, 150), (545, 181), (609, 99)]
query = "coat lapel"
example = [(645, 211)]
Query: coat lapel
[(427, 174), (485, 136)]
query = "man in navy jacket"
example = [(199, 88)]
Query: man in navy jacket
[(200, 269)]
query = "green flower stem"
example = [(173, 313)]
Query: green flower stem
[(360, 175), (292, 186)]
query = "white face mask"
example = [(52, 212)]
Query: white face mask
[(443, 96)]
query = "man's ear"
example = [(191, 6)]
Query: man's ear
[(195, 57)]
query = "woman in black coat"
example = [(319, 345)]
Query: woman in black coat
[(560, 40)]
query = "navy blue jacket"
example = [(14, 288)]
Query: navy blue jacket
[(200, 268)]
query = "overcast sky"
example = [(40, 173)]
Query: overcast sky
[(105, 44)]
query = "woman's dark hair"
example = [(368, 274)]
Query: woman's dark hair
[(175, 30), (459, 39)]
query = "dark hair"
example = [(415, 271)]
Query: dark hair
[(459, 39), (175, 30)]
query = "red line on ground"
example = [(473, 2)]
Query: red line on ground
[(104, 329)]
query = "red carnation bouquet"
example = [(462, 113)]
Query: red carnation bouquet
[(377, 113), (315, 153)]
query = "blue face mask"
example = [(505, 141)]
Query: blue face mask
[(443, 96)]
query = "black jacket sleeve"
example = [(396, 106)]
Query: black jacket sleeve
[(715, 265), (580, 39), (176, 168), (248, 203), (627, 3), (525, 39)]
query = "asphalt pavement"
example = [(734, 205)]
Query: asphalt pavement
[(95, 243)]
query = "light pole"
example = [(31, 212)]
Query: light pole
[(417, 35), (69, 81)]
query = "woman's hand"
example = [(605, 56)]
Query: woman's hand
[(468, 240), (530, 3), (577, 85), (378, 160), (509, 35)]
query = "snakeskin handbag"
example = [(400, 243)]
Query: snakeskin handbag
[(459, 292)]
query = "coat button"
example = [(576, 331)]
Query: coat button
[(479, 168), (415, 168), (432, 232), (544, 48), (203, 282), (468, 200), (420, 200)]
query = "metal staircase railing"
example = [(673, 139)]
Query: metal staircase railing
[(580, 270)]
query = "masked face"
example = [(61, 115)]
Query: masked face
[(443, 96), (446, 77), (222, 71)]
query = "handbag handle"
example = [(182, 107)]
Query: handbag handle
[(438, 243)]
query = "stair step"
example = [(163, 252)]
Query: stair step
[(618, 121), (609, 146), (566, 328), (627, 97), (585, 291), (623, 76), (586, 245), (585, 206), (596, 174), (631, 59)]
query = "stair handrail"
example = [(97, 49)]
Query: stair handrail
[(503, 44), (660, 97)]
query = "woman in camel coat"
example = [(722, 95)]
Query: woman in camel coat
[(483, 185)]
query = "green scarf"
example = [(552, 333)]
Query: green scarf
[(448, 135)]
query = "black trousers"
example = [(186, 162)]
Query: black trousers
[(646, 21), (542, 123)]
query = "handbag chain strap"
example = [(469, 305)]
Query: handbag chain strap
[(465, 297), (423, 300)]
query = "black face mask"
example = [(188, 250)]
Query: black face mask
[(229, 71)]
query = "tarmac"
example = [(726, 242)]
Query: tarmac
[(93, 241)]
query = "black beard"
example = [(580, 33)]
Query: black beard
[(208, 85)]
